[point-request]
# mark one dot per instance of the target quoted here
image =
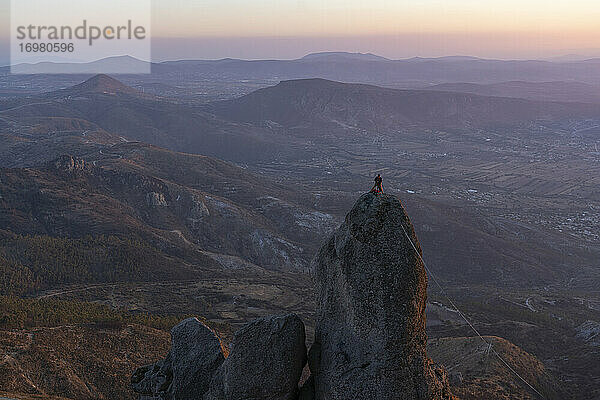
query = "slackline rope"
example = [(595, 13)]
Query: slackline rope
[(465, 318)]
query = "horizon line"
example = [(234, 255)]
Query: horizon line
[(554, 59)]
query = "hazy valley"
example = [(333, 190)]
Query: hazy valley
[(119, 195)]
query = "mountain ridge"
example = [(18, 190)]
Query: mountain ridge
[(371, 107), (333, 55)]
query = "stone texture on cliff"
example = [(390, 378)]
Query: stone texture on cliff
[(154, 199), (265, 363), (67, 164), (370, 339), (186, 372)]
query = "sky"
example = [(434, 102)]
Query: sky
[(258, 29)]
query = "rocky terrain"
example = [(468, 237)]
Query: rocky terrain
[(216, 217), (366, 343), (504, 212), (474, 373), (75, 362), (265, 361), (370, 337)]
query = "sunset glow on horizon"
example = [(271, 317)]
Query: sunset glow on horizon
[(576, 18), (213, 29), (395, 29)]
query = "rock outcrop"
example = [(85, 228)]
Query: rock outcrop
[(67, 164), (589, 332), (266, 361), (186, 372), (198, 210), (154, 199), (370, 339)]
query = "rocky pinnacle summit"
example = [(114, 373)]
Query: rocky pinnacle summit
[(370, 340)]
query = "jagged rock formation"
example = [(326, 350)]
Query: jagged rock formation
[(68, 164), (186, 372), (266, 361), (370, 340), (154, 199), (198, 210), (589, 332)]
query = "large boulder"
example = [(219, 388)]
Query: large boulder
[(265, 363), (370, 340), (195, 355)]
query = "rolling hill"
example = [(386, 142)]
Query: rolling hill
[(326, 104), (103, 84), (103, 103)]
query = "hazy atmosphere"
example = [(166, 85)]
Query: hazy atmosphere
[(263, 29), (299, 200)]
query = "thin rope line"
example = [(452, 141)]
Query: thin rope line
[(465, 318), (457, 363)]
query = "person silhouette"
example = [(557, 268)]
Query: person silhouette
[(378, 187)]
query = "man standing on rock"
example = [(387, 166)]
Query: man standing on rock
[(378, 187)]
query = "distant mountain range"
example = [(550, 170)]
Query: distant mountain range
[(109, 65), (248, 128), (341, 66), (338, 55), (371, 69)]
